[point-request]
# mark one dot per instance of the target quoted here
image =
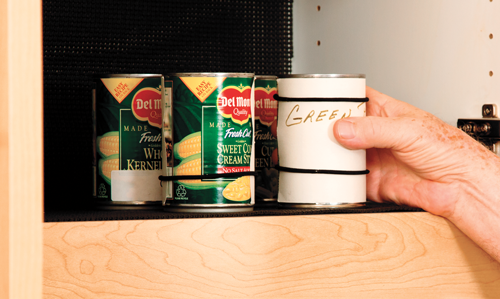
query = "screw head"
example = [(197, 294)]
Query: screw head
[(489, 111)]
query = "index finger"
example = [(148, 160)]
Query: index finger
[(380, 104)]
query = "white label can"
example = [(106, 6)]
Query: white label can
[(315, 170)]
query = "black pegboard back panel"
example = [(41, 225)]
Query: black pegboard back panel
[(82, 38)]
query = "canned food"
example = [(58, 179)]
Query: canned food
[(212, 143), (127, 140), (167, 144), (266, 144), (315, 170)]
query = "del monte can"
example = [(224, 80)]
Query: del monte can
[(127, 140), (212, 143), (266, 143)]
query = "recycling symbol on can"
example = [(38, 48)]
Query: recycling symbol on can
[(102, 190), (181, 191)]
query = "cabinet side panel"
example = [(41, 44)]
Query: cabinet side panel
[(4, 157), (24, 98), (440, 56)]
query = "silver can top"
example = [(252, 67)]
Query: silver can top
[(323, 76), (128, 75), (265, 77), (230, 75)]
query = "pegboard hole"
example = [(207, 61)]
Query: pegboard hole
[(318, 7), (318, 43), (491, 35), (491, 73)]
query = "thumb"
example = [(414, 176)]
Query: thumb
[(373, 132)]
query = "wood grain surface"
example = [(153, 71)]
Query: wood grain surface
[(21, 158), (4, 155), (390, 255)]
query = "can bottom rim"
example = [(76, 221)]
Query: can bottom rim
[(128, 205), (187, 208), (338, 205)]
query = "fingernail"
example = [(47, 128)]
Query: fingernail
[(345, 129)]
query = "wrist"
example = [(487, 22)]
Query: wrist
[(477, 215)]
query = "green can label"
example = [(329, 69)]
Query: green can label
[(128, 120), (266, 144), (212, 135)]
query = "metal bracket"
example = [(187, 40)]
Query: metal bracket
[(486, 130)]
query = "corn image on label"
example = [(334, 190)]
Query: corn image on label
[(238, 190), (127, 134), (266, 143), (212, 135)]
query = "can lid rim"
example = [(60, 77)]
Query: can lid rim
[(204, 74), (265, 77), (323, 76), (103, 76)]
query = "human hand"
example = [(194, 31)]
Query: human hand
[(416, 159)]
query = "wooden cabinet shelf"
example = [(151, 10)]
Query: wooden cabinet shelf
[(381, 255)]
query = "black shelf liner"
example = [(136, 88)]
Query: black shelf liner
[(91, 214)]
